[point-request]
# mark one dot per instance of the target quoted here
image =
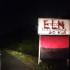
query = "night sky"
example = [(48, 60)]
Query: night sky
[(19, 18)]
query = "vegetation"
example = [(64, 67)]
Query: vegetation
[(27, 52), (28, 60)]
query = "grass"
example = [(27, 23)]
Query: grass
[(26, 46), (21, 56), (26, 52), (28, 60)]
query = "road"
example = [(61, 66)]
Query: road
[(11, 63)]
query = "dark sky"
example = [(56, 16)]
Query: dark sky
[(21, 16)]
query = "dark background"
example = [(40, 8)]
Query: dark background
[(18, 19)]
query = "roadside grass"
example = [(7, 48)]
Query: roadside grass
[(21, 56), (27, 52), (28, 60), (27, 46)]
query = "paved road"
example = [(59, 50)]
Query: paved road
[(11, 63)]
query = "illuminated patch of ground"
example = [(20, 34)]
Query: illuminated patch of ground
[(28, 60)]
